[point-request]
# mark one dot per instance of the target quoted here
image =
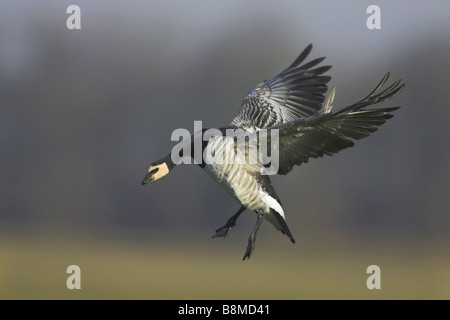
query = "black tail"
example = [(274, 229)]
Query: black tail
[(284, 227)]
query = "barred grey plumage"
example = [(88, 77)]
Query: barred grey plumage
[(295, 93)]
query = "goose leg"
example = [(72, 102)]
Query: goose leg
[(226, 229), (252, 238)]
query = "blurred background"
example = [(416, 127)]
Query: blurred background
[(84, 112)]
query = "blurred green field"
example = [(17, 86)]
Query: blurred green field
[(36, 269)]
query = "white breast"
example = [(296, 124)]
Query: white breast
[(239, 179), (228, 167)]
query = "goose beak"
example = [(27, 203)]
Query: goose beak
[(155, 172), (150, 176)]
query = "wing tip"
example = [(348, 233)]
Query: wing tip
[(302, 56)]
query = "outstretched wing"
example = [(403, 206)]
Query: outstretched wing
[(328, 133), (295, 93)]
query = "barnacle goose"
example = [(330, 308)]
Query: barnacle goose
[(292, 104)]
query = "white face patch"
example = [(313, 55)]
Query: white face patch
[(272, 203), (163, 170)]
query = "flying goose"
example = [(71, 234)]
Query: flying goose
[(293, 106)]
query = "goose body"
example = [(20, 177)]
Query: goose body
[(244, 181), (292, 108)]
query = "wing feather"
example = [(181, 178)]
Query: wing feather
[(329, 132), (295, 93)]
